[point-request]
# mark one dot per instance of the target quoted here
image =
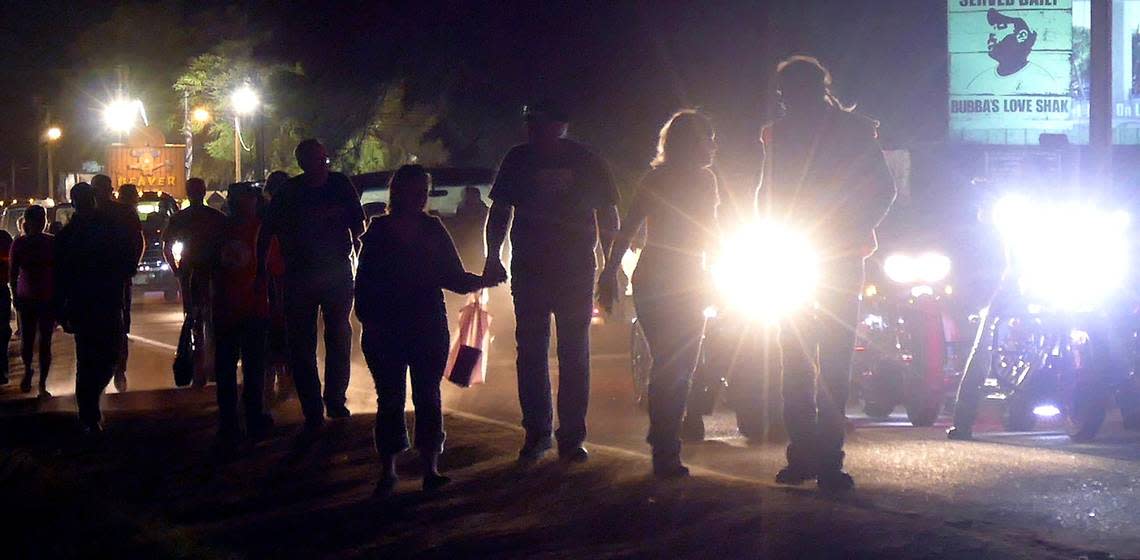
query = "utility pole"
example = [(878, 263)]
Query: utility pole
[(1100, 102)]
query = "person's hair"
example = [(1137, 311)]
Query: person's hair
[(127, 190), (195, 188), (807, 75), (101, 185), (274, 181), (83, 197), (686, 139), (401, 197), (236, 192), (35, 214), (304, 146)]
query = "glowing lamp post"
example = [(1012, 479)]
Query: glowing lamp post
[(52, 135), (243, 101), (201, 115)]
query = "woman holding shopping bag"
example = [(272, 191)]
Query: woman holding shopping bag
[(677, 203), (407, 259)]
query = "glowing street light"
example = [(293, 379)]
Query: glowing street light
[(120, 115), (52, 134), (243, 101), (200, 115)]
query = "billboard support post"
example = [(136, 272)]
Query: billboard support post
[(1100, 90)]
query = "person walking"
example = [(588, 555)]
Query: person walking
[(279, 383), (5, 303), (92, 263), (128, 227), (824, 173), (33, 283), (317, 218), (189, 245), (241, 317), (677, 202), (561, 197), (407, 259)]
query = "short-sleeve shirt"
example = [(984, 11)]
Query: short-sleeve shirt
[(316, 225), (33, 259), (199, 228), (555, 197)]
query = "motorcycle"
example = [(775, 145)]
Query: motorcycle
[(1060, 334), (906, 349)]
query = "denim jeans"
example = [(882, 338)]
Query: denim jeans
[(571, 303), (816, 353), (392, 356), (246, 341), (674, 327), (329, 294)]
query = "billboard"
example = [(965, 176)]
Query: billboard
[(1011, 71), (148, 161)]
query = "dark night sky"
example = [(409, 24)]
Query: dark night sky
[(622, 66)]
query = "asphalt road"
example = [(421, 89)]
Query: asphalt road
[(1083, 498)]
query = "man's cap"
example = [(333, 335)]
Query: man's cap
[(546, 110)]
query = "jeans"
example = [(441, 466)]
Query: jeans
[(97, 335), (38, 318), (391, 353), (674, 327), (572, 304), (816, 353), (245, 340), (121, 365), (330, 295)]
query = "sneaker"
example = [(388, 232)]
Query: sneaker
[(835, 482), (791, 476), (121, 382), (338, 411), (435, 482), (573, 455), (26, 384), (44, 394), (534, 449), (90, 428), (385, 486), (959, 434)]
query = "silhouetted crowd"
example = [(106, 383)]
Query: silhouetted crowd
[(255, 279)]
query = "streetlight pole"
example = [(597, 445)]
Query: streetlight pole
[(53, 134), (237, 148), (244, 101)]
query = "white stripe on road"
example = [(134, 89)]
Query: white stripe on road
[(152, 342)]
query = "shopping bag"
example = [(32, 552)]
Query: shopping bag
[(467, 361), (184, 355)]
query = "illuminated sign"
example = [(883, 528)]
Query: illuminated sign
[(1011, 70), (147, 161)]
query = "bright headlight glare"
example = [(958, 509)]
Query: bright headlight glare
[(768, 270), (901, 269), (1068, 256)]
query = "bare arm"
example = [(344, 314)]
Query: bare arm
[(629, 227), (498, 224)]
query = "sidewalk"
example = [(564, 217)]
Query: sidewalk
[(151, 487)]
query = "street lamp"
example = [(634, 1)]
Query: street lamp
[(200, 115), (52, 134), (243, 101), (121, 114)]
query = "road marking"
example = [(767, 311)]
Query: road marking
[(152, 342)]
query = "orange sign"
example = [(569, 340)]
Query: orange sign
[(149, 163)]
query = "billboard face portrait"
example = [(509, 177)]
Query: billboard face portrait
[(1010, 69)]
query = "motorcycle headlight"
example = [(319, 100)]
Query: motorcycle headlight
[(176, 250), (927, 267), (1065, 255), (768, 270)]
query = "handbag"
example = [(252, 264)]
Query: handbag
[(467, 361)]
